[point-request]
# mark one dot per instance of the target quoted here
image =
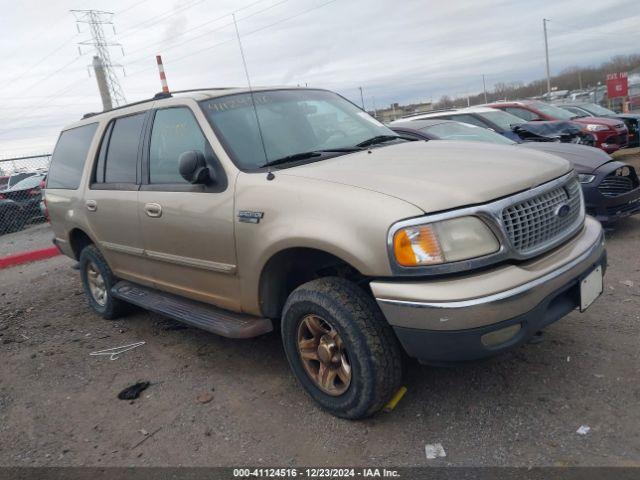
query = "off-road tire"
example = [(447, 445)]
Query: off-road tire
[(113, 307), (374, 352)]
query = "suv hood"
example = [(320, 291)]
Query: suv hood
[(584, 159), (440, 175)]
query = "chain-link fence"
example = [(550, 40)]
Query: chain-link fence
[(21, 187)]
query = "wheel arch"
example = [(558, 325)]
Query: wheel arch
[(79, 239), (289, 268)]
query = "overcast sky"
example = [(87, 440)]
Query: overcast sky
[(398, 51)]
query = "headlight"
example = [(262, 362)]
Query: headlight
[(445, 241), (592, 127), (586, 178)]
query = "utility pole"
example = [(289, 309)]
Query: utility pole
[(95, 19), (103, 86), (546, 52), (484, 87), (361, 98)]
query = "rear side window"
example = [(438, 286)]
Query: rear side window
[(69, 156), (117, 161)]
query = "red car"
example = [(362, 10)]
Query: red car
[(611, 134)]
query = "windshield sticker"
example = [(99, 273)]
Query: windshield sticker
[(238, 101)]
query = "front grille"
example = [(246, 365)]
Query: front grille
[(534, 223), (614, 185)]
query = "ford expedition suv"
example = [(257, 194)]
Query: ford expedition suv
[(240, 211)]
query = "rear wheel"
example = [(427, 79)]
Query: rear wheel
[(340, 347), (97, 281)]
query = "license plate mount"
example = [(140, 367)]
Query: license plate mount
[(591, 286)]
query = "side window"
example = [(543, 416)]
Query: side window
[(464, 118), (175, 131), (69, 157), (522, 113), (119, 150)]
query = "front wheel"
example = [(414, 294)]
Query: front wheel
[(340, 347)]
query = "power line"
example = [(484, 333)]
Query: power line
[(39, 105), (202, 25), (54, 51), (48, 76), (160, 16), (120, 12), (209, 32), (291, 17), (580, 31)]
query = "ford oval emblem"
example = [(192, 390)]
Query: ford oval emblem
[(563, 210)]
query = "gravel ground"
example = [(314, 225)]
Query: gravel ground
[(216, 401)]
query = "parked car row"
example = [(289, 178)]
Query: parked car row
[(610, 187), (512, 126), (610, 134), (20, 202)]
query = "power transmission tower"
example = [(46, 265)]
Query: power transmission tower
[(110, 90)]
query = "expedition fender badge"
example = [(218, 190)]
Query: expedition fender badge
[(247, 216)]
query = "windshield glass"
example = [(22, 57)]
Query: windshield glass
[(466, 133), (553, 111), (291, 121), (597, 109), (502, 119)]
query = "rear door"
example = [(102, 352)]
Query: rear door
[(112, 198), (188, 229)]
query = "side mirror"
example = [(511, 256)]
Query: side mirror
[(193, 167)]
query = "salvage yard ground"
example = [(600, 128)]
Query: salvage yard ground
[(215, 401)]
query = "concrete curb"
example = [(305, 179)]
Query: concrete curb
[(27, 257)]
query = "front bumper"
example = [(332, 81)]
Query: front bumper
[(447, 320), (609, 209)]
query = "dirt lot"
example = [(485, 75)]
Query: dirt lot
[(59, 406)]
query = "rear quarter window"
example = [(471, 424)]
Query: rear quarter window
[(69, 156)]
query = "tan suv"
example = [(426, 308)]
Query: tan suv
[(235, 211)]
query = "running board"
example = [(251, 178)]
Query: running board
[(194, 313)]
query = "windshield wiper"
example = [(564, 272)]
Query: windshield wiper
[(305, 155), (378, 139)]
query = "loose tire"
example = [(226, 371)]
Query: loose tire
[(97, 280), (340, 347)]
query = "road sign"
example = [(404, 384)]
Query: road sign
[(617, 85)]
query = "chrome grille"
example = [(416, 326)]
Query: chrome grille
[(535, 223), (614, 185)]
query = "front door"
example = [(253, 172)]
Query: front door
[(187, 229)]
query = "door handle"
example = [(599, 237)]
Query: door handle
[(153, 210), (92, 206)]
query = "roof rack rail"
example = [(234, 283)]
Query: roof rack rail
[(157, 96)]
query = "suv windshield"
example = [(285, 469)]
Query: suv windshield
[(553, 111), (293, 123), (597, 109), (466, 132), (502, 119)]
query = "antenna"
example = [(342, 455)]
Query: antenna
[(270, 175)]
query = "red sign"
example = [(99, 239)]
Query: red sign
[(617, 85)]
